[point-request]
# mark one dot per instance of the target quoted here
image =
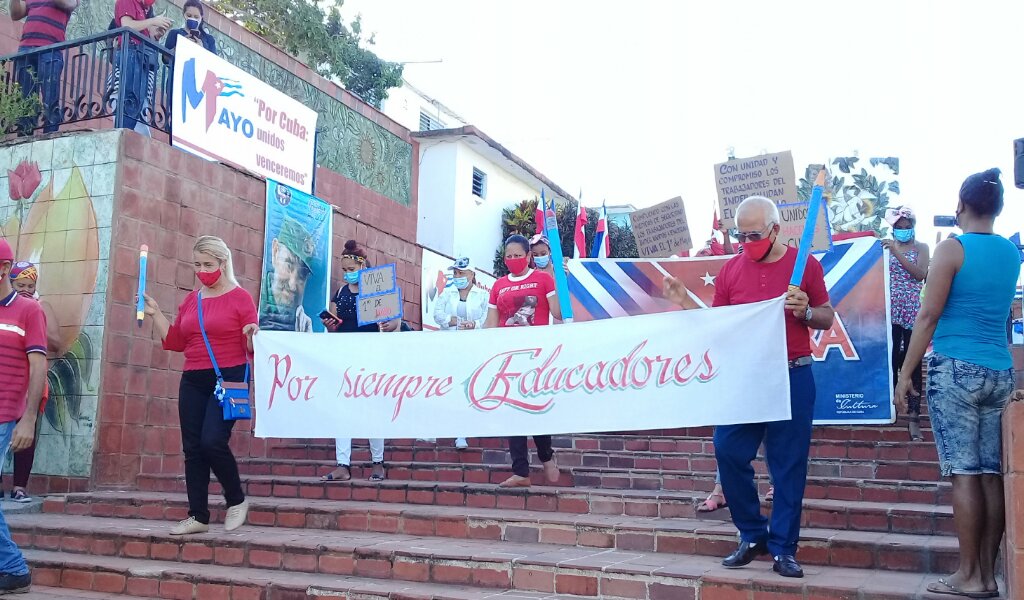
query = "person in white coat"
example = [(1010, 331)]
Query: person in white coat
[(461, 306)]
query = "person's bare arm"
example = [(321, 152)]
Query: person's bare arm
[(53, 340), (676, 292), (151, 24), (66, 5), (25, 430), (492, 318)]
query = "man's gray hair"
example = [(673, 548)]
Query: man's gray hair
[(764, 205)]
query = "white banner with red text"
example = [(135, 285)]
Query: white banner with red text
[(682, 369)]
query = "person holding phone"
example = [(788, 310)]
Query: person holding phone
[(229, 319), (353, 260), (194, 29), (139, 79)]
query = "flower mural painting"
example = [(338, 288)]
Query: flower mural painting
[(24, 180)]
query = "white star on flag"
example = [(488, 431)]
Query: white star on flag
[(708, 278)]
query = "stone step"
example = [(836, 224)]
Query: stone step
[(582, 462), (112, 577), (679, 503), (828, 484), (416, 559), (864, 439), (43, 592), (705, 536)]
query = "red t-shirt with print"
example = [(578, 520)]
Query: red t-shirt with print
[(743, 281), (523, 301), (22, 332)]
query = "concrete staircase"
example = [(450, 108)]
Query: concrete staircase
[(620, 524)]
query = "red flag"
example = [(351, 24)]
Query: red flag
[(580, 238), (539, 219)]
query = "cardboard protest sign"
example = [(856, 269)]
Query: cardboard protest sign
[(379, 308), (378, 280), (768, 175), (661, 230), (794, 218)]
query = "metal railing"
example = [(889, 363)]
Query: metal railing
[(118, 74)]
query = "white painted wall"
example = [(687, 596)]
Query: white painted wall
[(478, 221), (404, 104), (436, 226)]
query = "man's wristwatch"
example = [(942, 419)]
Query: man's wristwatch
[(808, 314)]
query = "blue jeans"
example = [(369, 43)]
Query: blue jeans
[(11, 560), (787, 444), (135, 89), (966, 403), (41, 72)]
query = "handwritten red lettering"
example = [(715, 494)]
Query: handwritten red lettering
[(293, 386), (398, 387)]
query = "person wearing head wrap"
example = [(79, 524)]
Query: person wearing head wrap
[(971, 283), (284, 284), (908, 267), (24, 277)]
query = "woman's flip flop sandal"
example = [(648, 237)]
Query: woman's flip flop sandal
[(944, 587), (342, 473), (711, 504)]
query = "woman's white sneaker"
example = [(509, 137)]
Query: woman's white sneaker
[(189, 526), (236, 516)]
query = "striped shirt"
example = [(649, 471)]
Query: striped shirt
[(22, 332), (46, 24)]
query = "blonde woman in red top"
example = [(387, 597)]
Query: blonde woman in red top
[(229, 317)]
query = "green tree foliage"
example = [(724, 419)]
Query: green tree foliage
[(15, 106), (313, 32), (521, 218)]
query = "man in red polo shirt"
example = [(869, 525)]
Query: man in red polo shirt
[(46, 22), (23, 371), (137, 85), (762, 272)]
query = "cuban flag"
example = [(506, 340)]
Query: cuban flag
[(580, 235), (602, 243)]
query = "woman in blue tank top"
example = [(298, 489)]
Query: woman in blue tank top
[(971, 283)]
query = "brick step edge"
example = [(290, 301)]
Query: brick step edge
[(41, 592), (262, 547), (549, 499), (679, 582)]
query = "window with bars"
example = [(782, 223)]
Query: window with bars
[(479, 183), (429, 123)]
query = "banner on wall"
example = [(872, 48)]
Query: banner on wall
[(296, 260), (611, 375), (435, 279), (852, 360), (222, 113)]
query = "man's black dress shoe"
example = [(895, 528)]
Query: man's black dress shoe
[(787, 566), (744, 555)]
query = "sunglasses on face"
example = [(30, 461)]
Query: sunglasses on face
[(751, 236)]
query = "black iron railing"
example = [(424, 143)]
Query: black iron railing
[(118, 74)]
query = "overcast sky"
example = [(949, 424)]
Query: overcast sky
[(635, 103)]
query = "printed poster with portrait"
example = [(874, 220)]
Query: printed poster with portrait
[(296, 260)]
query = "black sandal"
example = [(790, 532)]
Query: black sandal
[(347, 475), (378, 475)]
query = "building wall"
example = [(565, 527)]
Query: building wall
[(436, 224), (478, 222), (166, 198), (404, 105), (56, 207)]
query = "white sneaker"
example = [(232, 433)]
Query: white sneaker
[(189, 526), (461, 443), (236, 516)]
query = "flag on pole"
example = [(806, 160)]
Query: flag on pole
[(539, 215), (580, 237), (550, 225), (602, 243)]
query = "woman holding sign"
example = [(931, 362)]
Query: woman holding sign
[(524, 298), (344, 320), (229, 322)]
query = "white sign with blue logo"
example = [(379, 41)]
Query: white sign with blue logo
[(223, 113)]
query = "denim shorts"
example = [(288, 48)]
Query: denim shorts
[(966, 403)]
